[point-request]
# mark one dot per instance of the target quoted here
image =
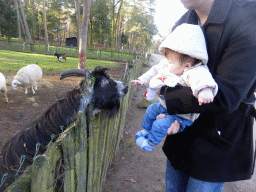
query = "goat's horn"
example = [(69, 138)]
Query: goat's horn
[(74, 72)]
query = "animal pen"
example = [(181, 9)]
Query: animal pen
[(85, 150)]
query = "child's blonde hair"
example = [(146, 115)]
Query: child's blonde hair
[(183, 58)]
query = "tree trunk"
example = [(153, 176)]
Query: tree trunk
[(112, 35), (45, 26), (33, 22), (77, 5), (132, 41), (26, 26), (115, 17), (91, 39), (83, 37), (23, 33), (18, 18), (39, 28)]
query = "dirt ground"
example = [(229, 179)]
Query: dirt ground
[(133, 169), (23, 109)]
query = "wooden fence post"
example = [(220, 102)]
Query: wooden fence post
[(44, 169), (81, 154), (23, 183)]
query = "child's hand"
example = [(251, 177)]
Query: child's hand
[(205, 96), (160, 116), (137, 82), (174, 128), (158, 92)]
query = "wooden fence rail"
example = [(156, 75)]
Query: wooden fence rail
[(85, 150)]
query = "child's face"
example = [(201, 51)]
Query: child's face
[(176, 67)]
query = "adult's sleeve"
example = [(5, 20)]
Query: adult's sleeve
[(180, 100)]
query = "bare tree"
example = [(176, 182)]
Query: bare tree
[(77, 5), (83, 37), (23, 33), (18, 18), (115, 16), (26, 25), (45, 26)]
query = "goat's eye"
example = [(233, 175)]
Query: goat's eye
[(104, 82)]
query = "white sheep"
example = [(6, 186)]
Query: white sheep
[(3, 87), (27, 76)]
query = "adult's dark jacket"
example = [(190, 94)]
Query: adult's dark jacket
[(199, 150)]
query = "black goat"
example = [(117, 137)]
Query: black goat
[(97, 88), (60, 56)]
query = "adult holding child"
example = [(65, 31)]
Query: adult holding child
[(185, 64), (218, 146)]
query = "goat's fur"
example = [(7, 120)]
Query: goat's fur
[(3, 87), (60, 56), (27, 76), (97, 88)]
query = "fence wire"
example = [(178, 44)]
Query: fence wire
[(126, 70), (23, 157)]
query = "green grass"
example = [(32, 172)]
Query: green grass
[(11, 62), (12, 39), (91, 53)]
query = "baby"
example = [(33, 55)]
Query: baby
[(186, 65)]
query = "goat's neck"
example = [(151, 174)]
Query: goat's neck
[(86, 98)]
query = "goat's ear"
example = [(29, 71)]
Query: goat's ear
[(76, 73)]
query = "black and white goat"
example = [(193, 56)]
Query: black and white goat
[(97, 88), (60, 56)]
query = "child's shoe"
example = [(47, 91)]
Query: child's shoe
[(142, 133), (144, 144)]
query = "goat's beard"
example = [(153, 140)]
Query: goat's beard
[(110, 107)]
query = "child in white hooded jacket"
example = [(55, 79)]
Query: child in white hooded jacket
[(185, 64)]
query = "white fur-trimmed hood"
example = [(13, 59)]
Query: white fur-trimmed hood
[(187, 39)]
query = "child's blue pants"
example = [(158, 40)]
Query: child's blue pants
[(157, 128)]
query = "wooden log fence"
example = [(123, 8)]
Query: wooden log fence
[(78, 160)]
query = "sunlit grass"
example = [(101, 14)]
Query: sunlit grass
[(11, 61), (92, 53)]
